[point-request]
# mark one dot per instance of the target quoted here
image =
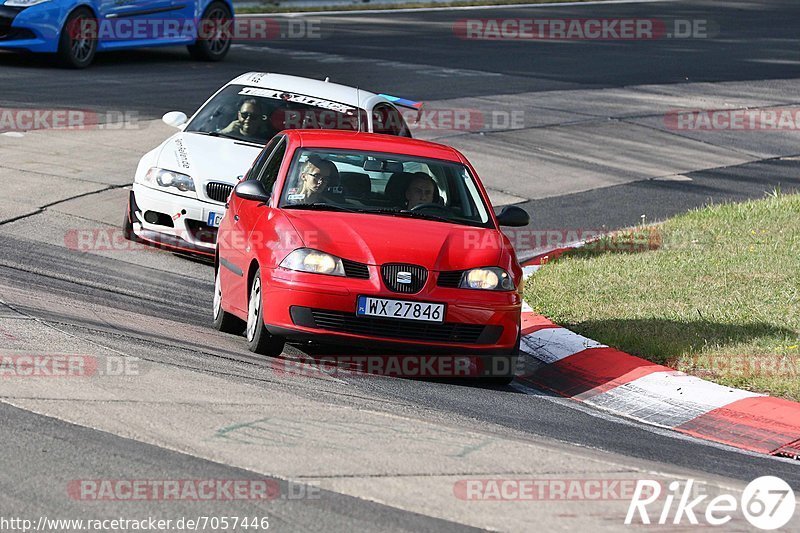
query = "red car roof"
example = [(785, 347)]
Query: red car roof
[(374, 142)]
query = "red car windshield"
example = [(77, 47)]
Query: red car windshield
[(385, 184)]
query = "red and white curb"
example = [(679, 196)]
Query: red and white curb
[(534, 263), (584, 370)]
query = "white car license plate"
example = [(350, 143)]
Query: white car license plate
[(386, 308), (214, 219)]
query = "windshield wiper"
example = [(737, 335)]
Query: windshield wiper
[(408, 214), (227, 136), (220, 134), (321, 206)]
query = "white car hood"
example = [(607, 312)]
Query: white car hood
[(207, 158)]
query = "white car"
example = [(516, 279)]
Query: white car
[(181, 187)]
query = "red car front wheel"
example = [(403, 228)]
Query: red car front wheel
[(259, 340), (224, 321)]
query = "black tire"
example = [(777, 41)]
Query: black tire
[(259, 340), (222, 320), (73, 51), (210, 45), (506, 380), (499, 382)]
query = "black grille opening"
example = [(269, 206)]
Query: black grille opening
[(162, 219), (450, 279), (16, 34), (218, 192), (403, 278), (202, 232), (353, 269), (397, 329)]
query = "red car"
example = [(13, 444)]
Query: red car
[(372, 240)]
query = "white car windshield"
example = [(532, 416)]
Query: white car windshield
[(384, 184), (256, 114)]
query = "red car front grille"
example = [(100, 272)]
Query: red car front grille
[(405, 329), (394, 275)]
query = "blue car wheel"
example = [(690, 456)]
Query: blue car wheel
[(76, 46), (215, 39)]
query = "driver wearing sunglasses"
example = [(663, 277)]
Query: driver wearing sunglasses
[(315, 177), (250, 121)]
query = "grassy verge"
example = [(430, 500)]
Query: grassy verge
[(277, 7), (714, 292)]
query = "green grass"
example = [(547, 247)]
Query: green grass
[(714, 292), (277, 7)]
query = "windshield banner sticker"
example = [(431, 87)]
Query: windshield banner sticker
[(298, 98)]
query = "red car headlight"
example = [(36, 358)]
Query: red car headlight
[(489, 278), (315, 261)]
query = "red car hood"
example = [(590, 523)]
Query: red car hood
[(379, 239)]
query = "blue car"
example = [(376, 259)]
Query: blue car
[(76, 30)]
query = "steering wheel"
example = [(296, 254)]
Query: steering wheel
[(430, 205)]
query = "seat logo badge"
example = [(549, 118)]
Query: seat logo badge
[(404, 278)]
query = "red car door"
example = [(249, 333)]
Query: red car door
[(234, 233), (241, 236)]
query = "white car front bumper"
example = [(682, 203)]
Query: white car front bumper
[(173, 221)]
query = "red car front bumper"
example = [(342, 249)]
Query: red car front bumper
[(302, 306)]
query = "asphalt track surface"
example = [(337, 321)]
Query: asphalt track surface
[(40, 452)]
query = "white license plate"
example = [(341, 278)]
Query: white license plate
[(402, 309), (214, 219)]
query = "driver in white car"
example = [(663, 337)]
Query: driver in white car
[(250, 121), (421, 190)]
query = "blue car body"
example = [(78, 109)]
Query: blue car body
[(38, 28)]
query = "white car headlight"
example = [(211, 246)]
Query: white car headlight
[(310, 260), (489, 278), (159, 177), (24, 3)]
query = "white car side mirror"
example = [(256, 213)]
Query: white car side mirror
[(176, 119)]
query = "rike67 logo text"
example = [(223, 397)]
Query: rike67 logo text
[(767, 503)]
